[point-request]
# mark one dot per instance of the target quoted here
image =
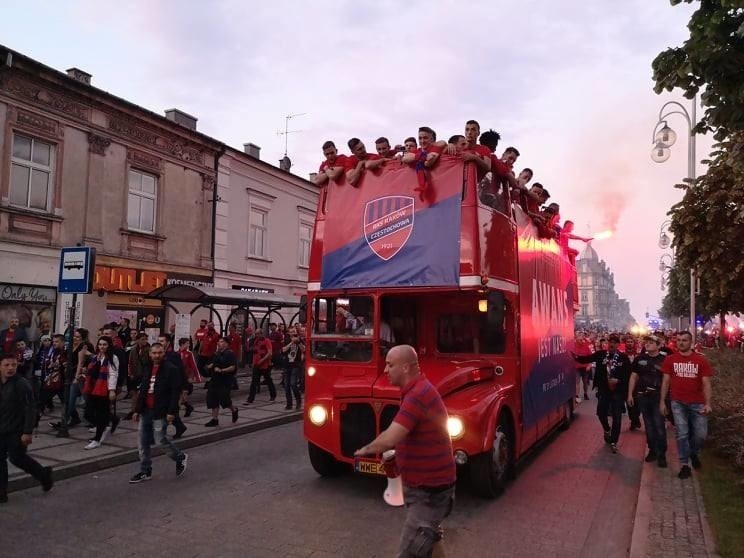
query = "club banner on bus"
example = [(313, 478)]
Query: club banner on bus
[(385, 233)]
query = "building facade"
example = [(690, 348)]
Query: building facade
[(79, 166), (599, 305)]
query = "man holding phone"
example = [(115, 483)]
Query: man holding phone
[(687, 374)]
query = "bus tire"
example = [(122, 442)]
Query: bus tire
[(568, 414), (491, 470), (323, 462)]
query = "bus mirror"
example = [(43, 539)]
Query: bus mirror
[(303, 310)]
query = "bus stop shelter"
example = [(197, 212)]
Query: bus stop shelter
[(257, 308)]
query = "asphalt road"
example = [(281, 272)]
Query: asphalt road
[(257, 496)]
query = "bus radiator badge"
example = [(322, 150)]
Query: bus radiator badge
[(388, 223)]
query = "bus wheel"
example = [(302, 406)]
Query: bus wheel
[(324, 463), (490, 471), (568, 413)]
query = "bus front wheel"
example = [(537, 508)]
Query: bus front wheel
[(491, 470), (324, 463)]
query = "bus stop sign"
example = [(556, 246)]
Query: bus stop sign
[(76, 269)]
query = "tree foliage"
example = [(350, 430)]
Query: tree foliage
[(712, 60)]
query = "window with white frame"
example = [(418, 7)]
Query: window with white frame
[(142, 201), (306, 236), (258, 222), (31, 173)]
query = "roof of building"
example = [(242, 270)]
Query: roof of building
[(589, 253)]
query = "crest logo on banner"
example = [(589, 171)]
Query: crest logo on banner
[(388, 224)]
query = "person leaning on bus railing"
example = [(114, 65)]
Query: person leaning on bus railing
[(356, 163), (332, 167), (472, 151), (428, 145), (423, 453)]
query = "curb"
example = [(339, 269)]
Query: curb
[(710, 542), (132, 455), (644, 511)]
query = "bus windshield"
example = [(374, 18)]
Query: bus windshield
[(349, 321)]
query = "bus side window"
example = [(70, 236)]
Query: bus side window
[(493, 325)]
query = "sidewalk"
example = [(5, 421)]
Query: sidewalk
[(69, 459), (670, 519)]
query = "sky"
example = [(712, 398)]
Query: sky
[(568, 83)]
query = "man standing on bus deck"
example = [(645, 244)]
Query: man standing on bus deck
[(333, 166), (423, 453)]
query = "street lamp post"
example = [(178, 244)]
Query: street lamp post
[(663, 137)]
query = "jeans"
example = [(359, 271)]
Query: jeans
[(72, 402), (653, 422), (292, 383), (11, 448), (151, 430), (422, 528), (692, 429), (614, 405)]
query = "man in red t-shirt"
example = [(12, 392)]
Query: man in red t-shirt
[(207, 347), (262, 363), (356, 164), (475, 152), (199, 334), (687, 374), (332, 167), (423, 452)]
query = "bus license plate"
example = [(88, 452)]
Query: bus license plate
[(369, 467)]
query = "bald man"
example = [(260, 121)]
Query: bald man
[(423, 453)]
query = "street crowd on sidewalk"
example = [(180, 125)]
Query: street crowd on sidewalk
[(157, 377), (660, 377)]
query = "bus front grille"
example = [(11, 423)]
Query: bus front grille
[(357, 427)]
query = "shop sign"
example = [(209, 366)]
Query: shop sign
[(27, 294), (190, 280), (258, 290), (123, 279)]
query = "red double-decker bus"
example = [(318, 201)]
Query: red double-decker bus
[(463, 277)]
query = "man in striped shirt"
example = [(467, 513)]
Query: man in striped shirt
[(423, 453)]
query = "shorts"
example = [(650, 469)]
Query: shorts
[(218, 395), (422, 528)]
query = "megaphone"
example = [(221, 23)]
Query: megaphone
[(393, 494)]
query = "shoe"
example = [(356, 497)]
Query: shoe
[(93, 445), (47, 482), (288, 407), (179, 432), (635, 426), (685, 472), (106, 434), (247, 401), (613, 448), (189, 410), (235, 416), (213, 422), (141, 476), (128, 416), (114, 423), (651, 457), (181, 465), (91, 429), (74, 422), (3, 498), (662, 463), (695, 460), (298, 406), (272, 398), (577, 399), (607, 436), (56, 425)]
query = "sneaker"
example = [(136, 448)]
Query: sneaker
[(607, 436), (91, 429), (128, 416), (47, 481), (141, 476), (56, 425), (613, 448), (114, 423), (288, 407), (685, 472), (189, 410), (179, 432), (247, 401), (662, 462), (235, 415), (272, 398), (74, 421), (213, 422), (651, 457), (181, 465), (93, 445), (695, 460)]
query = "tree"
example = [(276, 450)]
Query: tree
[(712, 59)]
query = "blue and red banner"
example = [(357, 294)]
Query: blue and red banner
[(383, 234)]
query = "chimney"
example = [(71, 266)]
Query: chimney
[(313, 176), (252, 149), (180, 117), (79, 75)]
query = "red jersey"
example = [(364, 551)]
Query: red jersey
[(9, 341), (199, 335), (261, 349), (499, 168), (208, 345), (189, 365), (686, 375), (150, 397), (583, 347), (431, 149), (424, 457), (339, 162), (235, 343), (352, 160)]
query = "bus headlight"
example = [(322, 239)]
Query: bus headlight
[(318, 415), (455, 427), (311, 371)]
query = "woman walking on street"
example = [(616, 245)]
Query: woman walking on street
[(101, 374)]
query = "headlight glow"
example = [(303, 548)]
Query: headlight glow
[(455, 427), (318, 415), (311, 371)]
